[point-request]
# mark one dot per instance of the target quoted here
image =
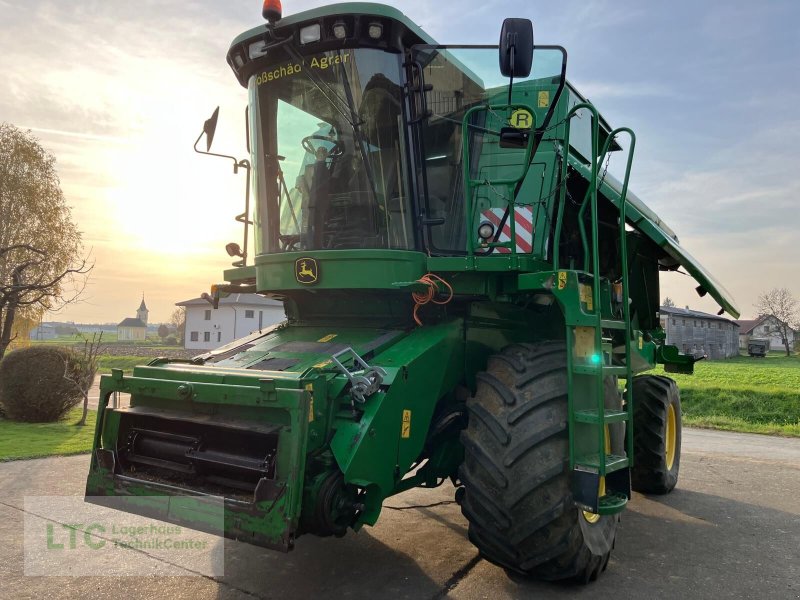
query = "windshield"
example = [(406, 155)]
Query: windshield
[(327, 149), (460, 78)]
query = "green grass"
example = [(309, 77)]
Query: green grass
[(34, 440), (743, 394), (106, 362), (108, 339)]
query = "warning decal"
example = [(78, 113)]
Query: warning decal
[(523, 217), (405, 431)]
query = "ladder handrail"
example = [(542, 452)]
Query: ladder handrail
[(626, 308), (590, 200), (590, 192)]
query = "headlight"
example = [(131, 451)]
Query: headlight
[(486, 230), (339, 30), (310, 33)]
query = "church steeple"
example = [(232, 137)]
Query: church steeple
[(142, 313)]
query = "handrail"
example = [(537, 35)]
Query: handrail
[(591, 192), (626, 308), (591, 196), (470, 183)]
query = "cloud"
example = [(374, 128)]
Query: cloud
[(604, 90)]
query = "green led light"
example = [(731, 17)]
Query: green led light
[(594, 359)]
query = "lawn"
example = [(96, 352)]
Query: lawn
[(32, 440), (757, 395), (106, 362)]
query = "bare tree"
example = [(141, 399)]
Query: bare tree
[(41, 267), (783, 307), (83, 377), (178, 320), (668, 302)]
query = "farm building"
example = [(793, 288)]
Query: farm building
[(768, 328), (698, 333), (237, 316)]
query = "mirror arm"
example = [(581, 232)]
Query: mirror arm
[(511, 51), (236, 162)]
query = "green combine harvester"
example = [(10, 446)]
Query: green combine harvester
[(464, 285)]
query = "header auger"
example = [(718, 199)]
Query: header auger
[(464, 286)]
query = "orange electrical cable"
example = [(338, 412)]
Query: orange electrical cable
[(423, 298)]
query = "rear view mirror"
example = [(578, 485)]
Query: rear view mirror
[(516, 48), (209, 127)]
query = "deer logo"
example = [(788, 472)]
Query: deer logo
[(306, 271)]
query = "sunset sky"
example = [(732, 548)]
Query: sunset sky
[(118, 91)]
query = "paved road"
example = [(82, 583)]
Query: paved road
[(730, 530)]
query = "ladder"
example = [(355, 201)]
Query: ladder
[(600, 473)]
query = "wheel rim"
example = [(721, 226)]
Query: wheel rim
[(671, 436), (601, 489)]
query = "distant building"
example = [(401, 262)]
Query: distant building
[(134, 329), (43, 331), (238, 315), (767, 328), (699, 333)]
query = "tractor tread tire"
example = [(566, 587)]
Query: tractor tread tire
[(517, 495), (652, 395)]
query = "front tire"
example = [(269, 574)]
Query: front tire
[(656, 434), (517, 495)]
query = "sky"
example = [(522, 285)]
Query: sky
[(118, 91)]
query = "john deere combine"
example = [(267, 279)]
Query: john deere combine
[(464, 285)]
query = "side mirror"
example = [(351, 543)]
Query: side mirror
[(516, 48), (209, 127)]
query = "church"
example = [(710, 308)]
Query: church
[(134, 329)]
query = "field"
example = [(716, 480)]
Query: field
[(31, 440), (743, 394)]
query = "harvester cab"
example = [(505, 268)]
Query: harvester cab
[(464, 284)]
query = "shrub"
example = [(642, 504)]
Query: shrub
[(34, 385), (171, 341)]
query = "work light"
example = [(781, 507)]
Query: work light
[(309, 34), (339, 30)]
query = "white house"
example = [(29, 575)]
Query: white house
[(767, 327), (238, 315)]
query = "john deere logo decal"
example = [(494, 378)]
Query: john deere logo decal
[(306, 271)]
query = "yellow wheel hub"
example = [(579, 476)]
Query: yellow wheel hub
[(671, 437), (601, 490)]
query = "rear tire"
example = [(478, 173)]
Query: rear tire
[(517, 495), (656, 435)]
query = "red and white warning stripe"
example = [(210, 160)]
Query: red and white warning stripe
[(523, 215)]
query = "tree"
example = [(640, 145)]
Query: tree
[(668, 302), (783, 307), (81, 375), (163, 331), (178, 321), (41, 267)]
